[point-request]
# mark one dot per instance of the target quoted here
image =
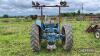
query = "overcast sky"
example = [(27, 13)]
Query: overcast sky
[(24, 7)]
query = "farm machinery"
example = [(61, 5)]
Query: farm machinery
[(95, 28), (49, 30)]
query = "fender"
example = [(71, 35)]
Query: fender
[(40, 24)]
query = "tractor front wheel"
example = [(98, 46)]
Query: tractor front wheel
[(67, 41)]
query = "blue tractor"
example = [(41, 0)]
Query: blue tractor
[(50, 31)]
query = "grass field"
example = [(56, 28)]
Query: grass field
[(15, 40)]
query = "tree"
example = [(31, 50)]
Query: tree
[(73, 13), (5, 16), (78, 12), (33, 17), (98, 14)]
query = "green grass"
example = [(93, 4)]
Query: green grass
[(15, 40)]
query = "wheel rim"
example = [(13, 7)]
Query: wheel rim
[(97, 35)]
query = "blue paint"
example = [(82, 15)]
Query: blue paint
[(50, 32)]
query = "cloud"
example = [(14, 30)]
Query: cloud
[(24, 7)]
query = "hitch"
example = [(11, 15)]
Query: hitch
[(51, 47)]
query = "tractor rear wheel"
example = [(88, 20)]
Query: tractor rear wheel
[(35, 41), (97, 33), (67, 41)]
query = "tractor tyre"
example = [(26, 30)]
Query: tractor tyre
[(35, 41), (97, 33), (67, 41)]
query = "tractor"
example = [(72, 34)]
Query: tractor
[(49, 30), (95, 28)]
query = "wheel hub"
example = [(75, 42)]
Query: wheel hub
[(97, 34)]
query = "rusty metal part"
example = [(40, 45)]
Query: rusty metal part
[(93, 27)]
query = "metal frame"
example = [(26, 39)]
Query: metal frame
[(41, 7)]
